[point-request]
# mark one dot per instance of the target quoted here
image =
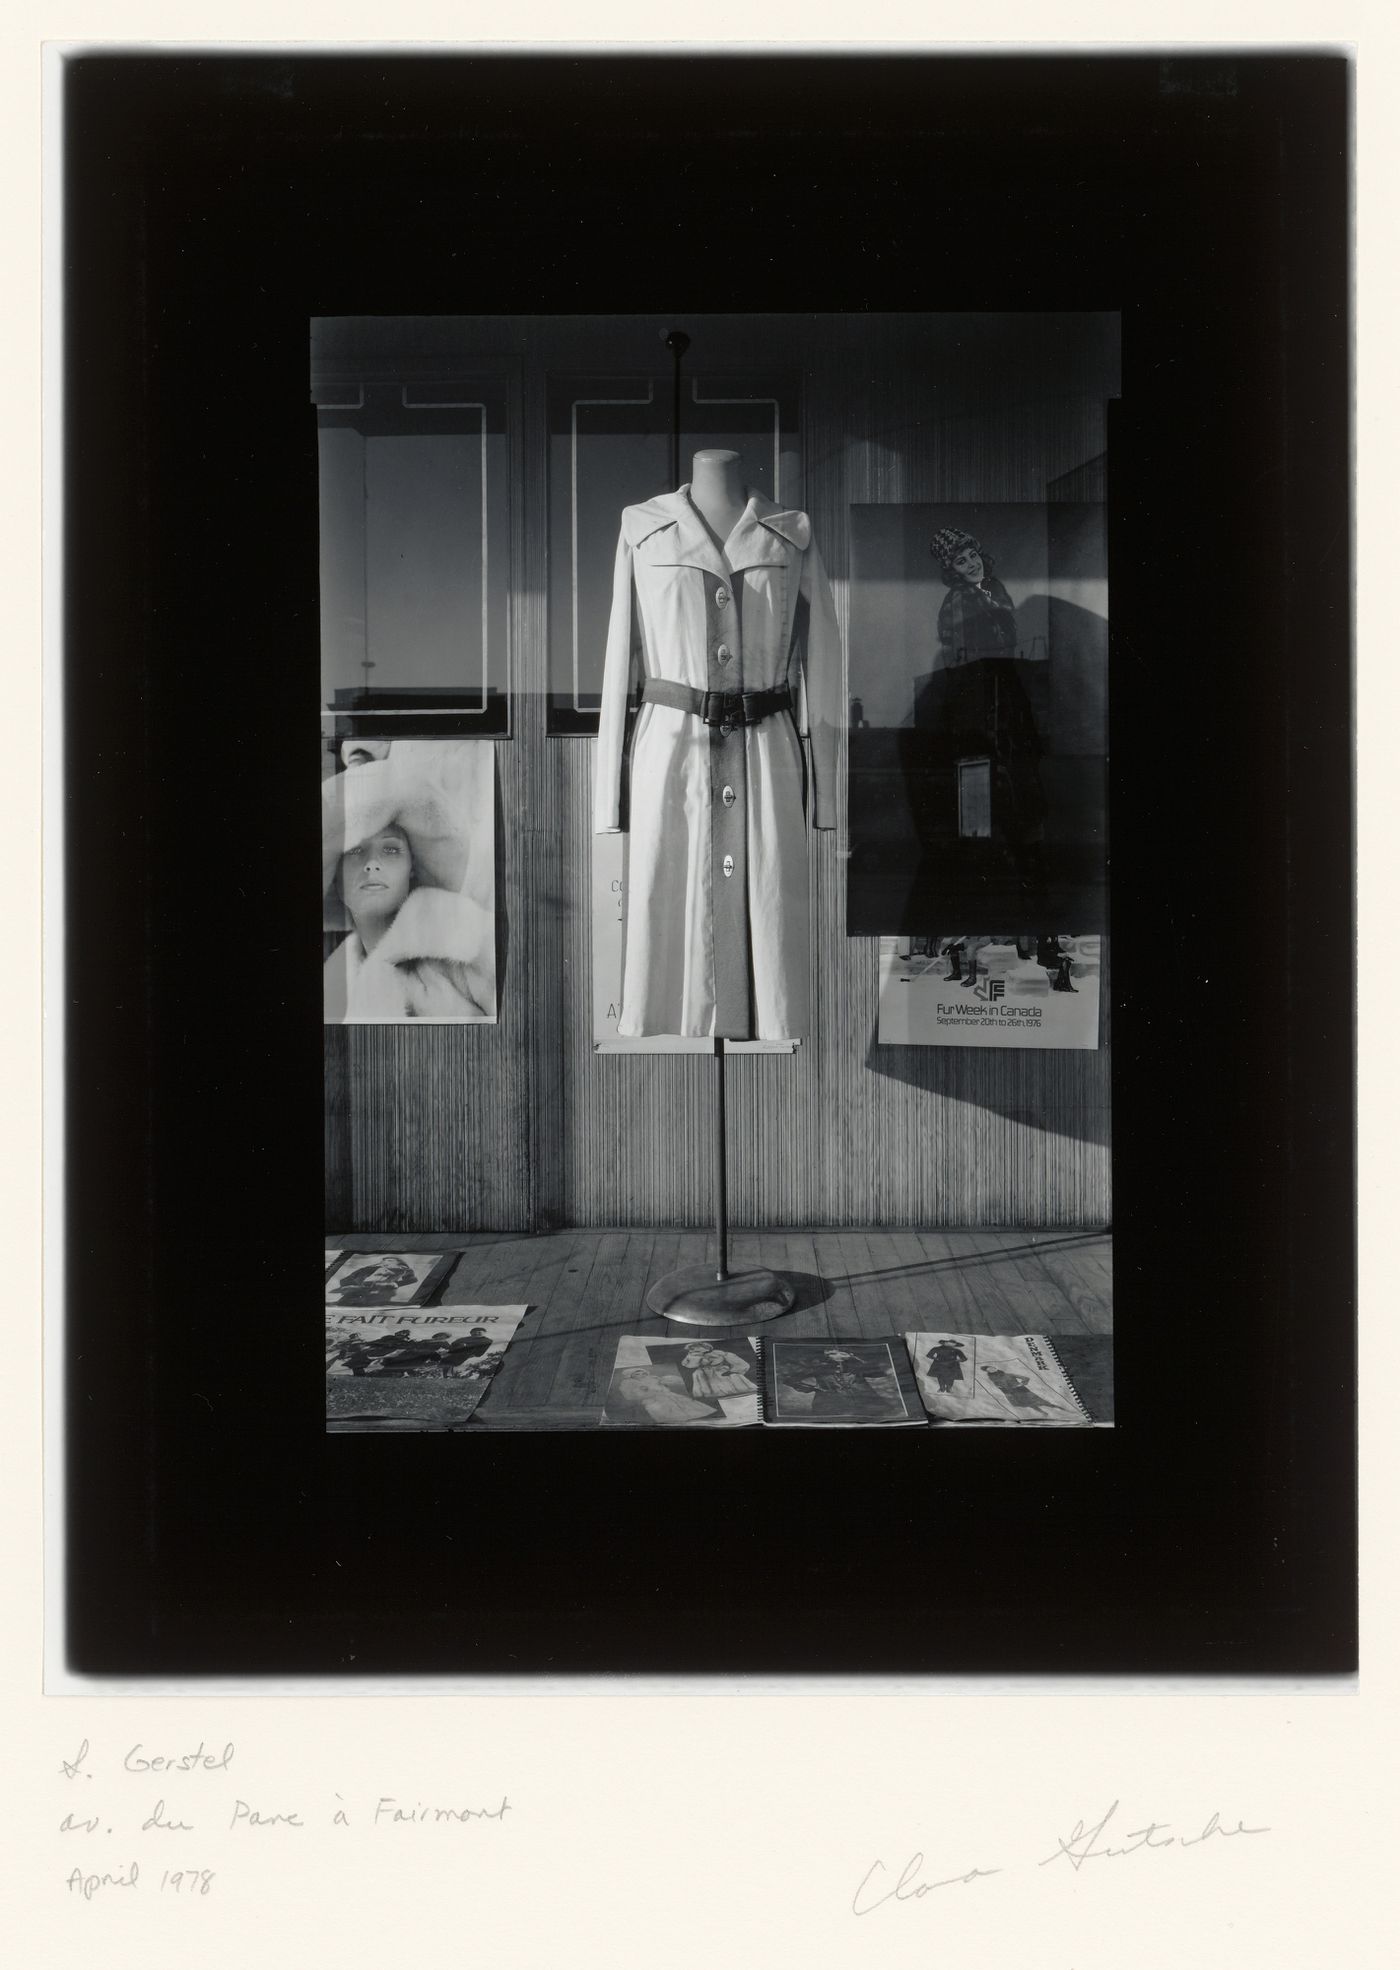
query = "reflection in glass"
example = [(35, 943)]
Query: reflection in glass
[(413, 537)]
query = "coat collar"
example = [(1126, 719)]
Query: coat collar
[(764, 533)]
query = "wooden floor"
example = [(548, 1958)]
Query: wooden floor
[(584, 1288)]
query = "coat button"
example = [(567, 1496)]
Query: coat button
[(724, 653), (728, 865), (728, 796), (721, 598)]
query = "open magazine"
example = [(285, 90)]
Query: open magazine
[(993, 1378), (660, 1384), (412, 1368)]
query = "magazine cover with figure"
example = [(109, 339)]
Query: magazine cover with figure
[(413, 1371), (683, 1384), (387, 1278), (993, 1378), (838, 1383)]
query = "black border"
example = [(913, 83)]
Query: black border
[(212, 205)]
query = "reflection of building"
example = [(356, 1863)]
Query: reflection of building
[(417, 711)]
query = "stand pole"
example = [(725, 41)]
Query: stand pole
[(721, 1181), (677, 342), (708, 1294)]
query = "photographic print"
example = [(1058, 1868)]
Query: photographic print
[(990, 991), (377, 1279), (838, 1382), (683, 1384), (844, 638), (994, 1378), (413, 1371), (408, 880)]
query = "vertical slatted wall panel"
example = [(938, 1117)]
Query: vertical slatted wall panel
[(524, 1126)]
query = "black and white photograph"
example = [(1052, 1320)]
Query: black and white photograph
[(743, 553), (408, 875), (739, 517), (741, 510)]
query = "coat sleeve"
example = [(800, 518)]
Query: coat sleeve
[(823, 687), (608, 807)]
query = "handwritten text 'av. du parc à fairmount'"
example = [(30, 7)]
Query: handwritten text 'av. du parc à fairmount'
[(158, 1816)]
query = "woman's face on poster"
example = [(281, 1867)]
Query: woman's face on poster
[(376, 876), (968, 564)]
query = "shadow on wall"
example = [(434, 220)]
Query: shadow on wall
[(1021, 1084), (1057, 1091)]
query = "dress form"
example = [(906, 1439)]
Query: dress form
[(709, 1294), (717, 491)]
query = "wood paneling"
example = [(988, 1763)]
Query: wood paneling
[(522, 1126)]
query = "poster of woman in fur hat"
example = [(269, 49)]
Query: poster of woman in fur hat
[(408, 880)]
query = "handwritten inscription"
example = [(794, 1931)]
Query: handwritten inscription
[(389, 1809), (198, 1760), (204, 1816), (879, 1886), (87, 1885)]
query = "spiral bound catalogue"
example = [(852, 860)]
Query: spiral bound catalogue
[(994, 1378)]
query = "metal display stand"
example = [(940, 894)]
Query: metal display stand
[(711, 1295)]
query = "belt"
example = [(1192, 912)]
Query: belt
[(723, 708)]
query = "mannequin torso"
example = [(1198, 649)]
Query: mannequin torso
[(717, 491)]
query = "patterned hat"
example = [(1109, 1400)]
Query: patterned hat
[(949, 542)]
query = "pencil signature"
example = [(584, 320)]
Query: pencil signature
[(879, 1885), (1080, 1845)]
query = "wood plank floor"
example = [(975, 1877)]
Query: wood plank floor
[(584, 1288)]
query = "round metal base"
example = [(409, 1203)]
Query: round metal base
[(693, 1295)]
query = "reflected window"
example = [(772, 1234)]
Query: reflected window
[(414, 512)]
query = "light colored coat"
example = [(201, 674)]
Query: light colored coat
[(717, 936)]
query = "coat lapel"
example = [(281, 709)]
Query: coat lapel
[(767, 534), (668, 531)]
